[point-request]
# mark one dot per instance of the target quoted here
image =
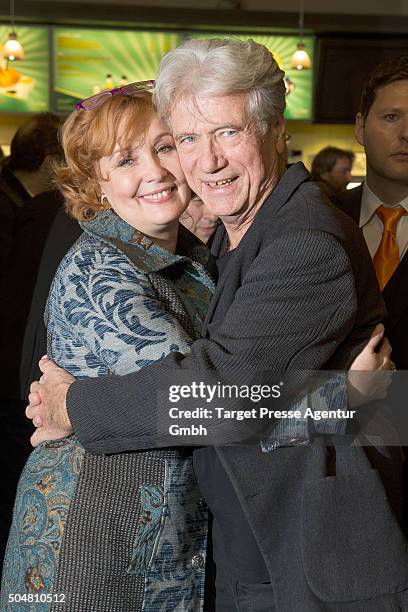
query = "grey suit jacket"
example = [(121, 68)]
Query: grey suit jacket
[(300, 294)]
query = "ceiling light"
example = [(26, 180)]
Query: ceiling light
[(301, 59), (12, 49)]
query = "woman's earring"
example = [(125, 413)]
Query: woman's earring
[(105, 205)]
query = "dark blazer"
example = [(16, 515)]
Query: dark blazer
[(17, 282), (395, 293), (62, 234), (299, 293), (36, 230), (13, 196)]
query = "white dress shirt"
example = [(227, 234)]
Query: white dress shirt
[(372, 226)]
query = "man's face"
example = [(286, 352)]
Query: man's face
[(227, 163), (384, 134), (199, 220), (340, 175)]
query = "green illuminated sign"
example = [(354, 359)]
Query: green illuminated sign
[(24, 84), (299, 83), (88, 61)]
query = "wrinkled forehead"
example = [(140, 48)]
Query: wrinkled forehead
[(190, 112)]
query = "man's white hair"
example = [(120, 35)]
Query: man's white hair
[(218, 67)]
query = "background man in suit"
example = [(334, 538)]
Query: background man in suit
[(26, 173), (296, 290), (380, 205)]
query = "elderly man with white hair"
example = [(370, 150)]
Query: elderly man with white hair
[(296, 290)]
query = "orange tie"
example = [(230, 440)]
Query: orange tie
[(386, 258)]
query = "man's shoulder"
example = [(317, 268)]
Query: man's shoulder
[(12, 189), (324, 214), (310, 209)]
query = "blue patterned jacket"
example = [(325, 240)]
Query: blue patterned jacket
[(118, 302)]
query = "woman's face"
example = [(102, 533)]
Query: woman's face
[(145, 186)]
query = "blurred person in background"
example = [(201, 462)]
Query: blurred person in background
[(25, 173), (199, 220), (331, 169)]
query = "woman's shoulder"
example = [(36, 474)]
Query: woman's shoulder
[(95, 275), (91, 255)]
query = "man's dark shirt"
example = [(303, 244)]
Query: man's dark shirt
[(233, 539)]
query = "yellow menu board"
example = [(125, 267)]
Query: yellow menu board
[(24, 84), (88, 61)]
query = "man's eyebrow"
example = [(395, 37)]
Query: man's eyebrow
[(183, 134), (226, 126), (390, 109)]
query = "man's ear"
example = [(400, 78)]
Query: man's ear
[(359, 129), (279, 130)]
